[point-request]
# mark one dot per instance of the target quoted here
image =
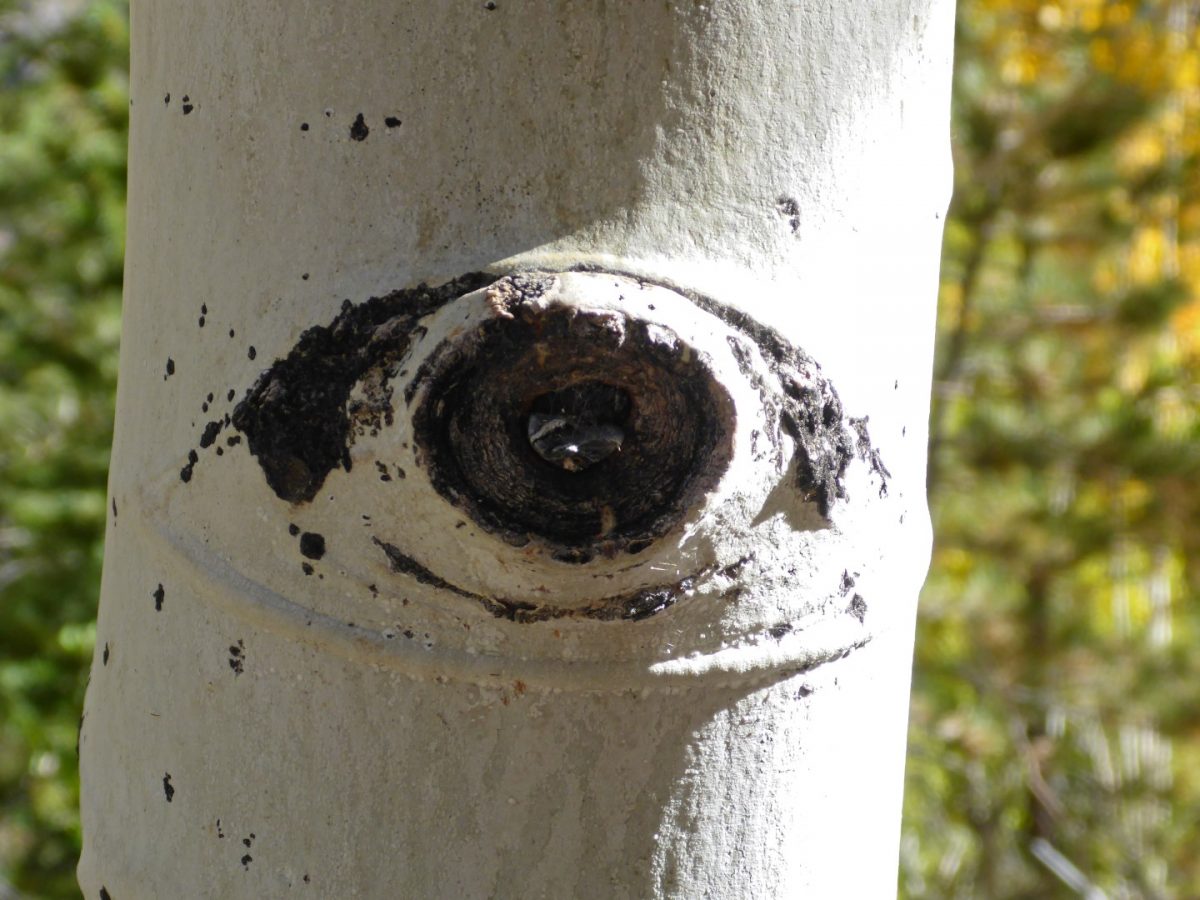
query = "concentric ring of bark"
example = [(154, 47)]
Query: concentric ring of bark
[(471, 428)]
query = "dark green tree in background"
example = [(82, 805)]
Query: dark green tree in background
[(1055, 731), (64, 102)]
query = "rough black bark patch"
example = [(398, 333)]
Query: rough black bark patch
[(359, 129), (295, 417), (392, 122), (159, 595), (104, 894), (104, 658), (168, 788)]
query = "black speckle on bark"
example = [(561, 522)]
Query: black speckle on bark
[(392, 122), (847, 583), (237, 659), (307, 568), (251, 353), (211, 430), (104, 657), (295, 417), (790, 210), (857, 607), (170, 368), (167, 99), (246, 860), (168, 788), (293, 530), (359, 130), (312, 545), (304, 126), (159, 595)]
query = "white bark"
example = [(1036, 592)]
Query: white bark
[(435, 711)]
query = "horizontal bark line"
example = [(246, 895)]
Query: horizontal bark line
[(209, 575)]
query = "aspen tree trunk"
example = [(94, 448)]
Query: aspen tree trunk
[(518, 488)]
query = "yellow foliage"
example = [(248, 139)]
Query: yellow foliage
[(1147, 251)]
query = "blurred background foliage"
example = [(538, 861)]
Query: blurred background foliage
[(1055, 729), (1054, 745), (64, 101)]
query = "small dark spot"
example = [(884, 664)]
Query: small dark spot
[(114, 507), (329, 113), (233, 440), (168, 788), (231, 332), (170, 367), (159, 594), (847, 583), (803, 691), (203, 306), (304, 277), (293, 530), (104, 894), (187, 106), (359, 130), (204, 406), (252, 352), (220, 451), (167, 99), (211, 430), (231, 394), (220, 833), (490, 5), (237, 658), (460, 525), (392, 122), (305, 879), (304, 126), (400, 473), (383, 472), (308, 569), (247, 841), (778, 631), (373, 589), (104, 658), (857, 607), (246, 860), (790, 210), (312, 545)]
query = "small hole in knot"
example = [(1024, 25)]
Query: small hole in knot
[(578, 426)]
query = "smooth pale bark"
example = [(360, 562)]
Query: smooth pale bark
[(369, 717)]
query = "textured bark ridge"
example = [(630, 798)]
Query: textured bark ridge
[(589, 431)]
